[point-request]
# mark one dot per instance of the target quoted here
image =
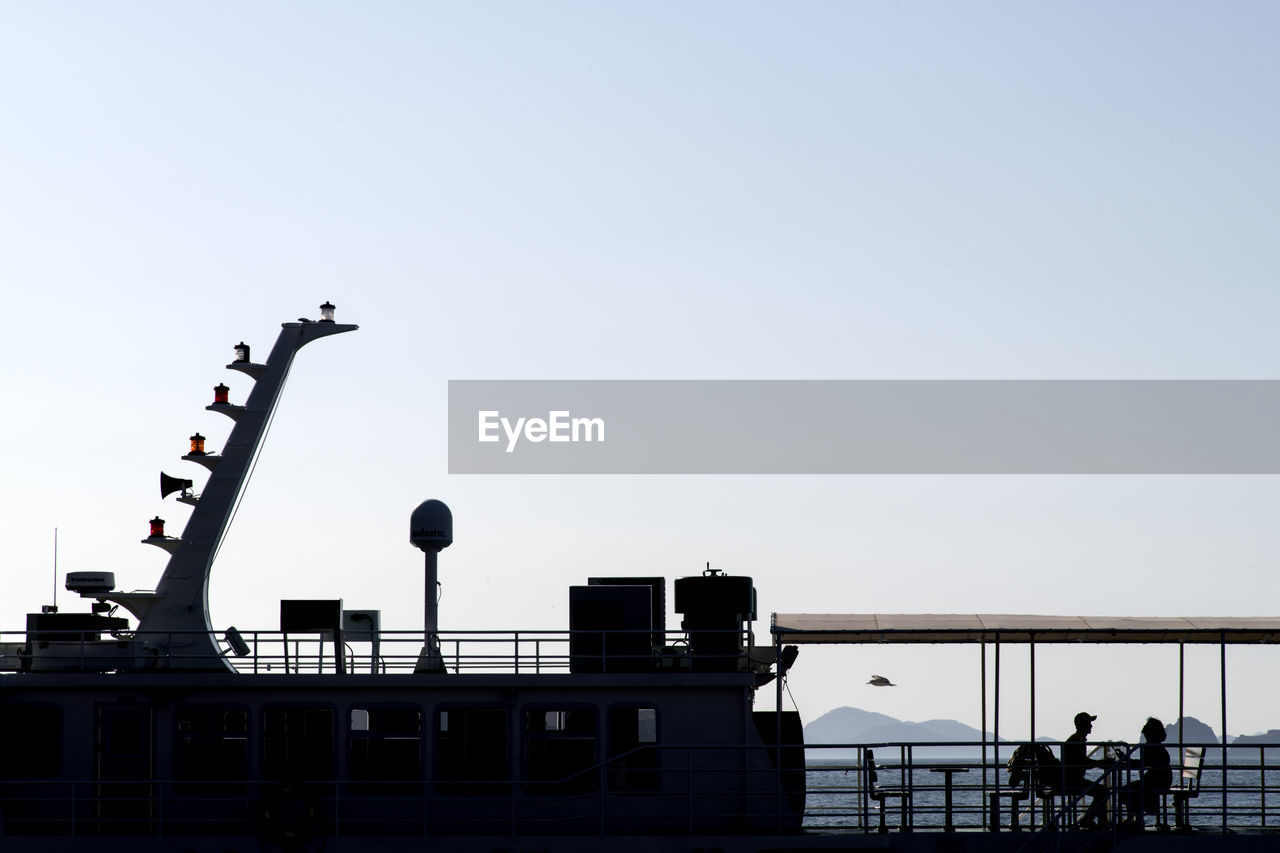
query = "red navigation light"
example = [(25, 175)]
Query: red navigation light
[(326, 312), (157, 526), (242, 351), (220, 393), (197, 445)]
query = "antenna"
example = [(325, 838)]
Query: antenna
[(431, 530), (55, 569)]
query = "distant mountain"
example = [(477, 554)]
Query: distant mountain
[(1269, 737), (847, 725), (1193, 731), (854, 725)]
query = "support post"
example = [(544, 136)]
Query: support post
[(1222, 667), (1182, 679), (995, 729), (430, 660), (982, 645), (1031, 643)]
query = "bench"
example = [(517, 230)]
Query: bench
[(1188, 787), (880, 794), (1015, 796)]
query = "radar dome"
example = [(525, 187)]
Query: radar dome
[(431, 526)]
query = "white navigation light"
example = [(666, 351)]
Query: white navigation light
[(242, 351), (326, 312)]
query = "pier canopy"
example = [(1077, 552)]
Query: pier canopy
[(853, 628)]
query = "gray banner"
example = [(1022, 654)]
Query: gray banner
[(864, 427)]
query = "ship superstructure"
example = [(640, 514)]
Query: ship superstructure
[(328, 732)]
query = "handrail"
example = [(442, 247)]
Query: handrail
[(517, 651), (1247, 781)]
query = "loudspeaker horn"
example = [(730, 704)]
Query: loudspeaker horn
[(169, 485)]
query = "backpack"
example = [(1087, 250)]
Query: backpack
[(1033, 759)]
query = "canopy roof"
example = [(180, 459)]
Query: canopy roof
[(1010, 628)]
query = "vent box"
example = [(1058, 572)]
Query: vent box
[(610, 628), (310, 616)]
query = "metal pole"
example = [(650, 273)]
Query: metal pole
[(430, 616), (1222, 666), (982, 646), (1182, 672), (777, 707), (1031, 642), (995, 729), (430, 660)]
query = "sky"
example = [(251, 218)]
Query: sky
[(646, 191)]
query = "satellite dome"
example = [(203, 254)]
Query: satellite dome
[(431, 526)]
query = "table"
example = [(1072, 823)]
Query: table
[(949, 770)]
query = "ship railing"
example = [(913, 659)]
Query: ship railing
[(388, 652), (668, 789), (1222, 789)]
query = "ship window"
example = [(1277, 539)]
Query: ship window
[(297, 743), (211, 750), (633, 756), (471, 751), (559, 750), (124, 767), (30, 741), (385, 747)]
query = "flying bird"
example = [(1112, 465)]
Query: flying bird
[(880, 681)]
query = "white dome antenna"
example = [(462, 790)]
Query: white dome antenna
[(431, 529)]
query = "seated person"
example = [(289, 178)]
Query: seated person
[(1155, 775), (1075, 761)]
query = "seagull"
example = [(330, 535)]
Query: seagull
[(880, 681)]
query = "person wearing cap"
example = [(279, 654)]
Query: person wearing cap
[(1075, 762)]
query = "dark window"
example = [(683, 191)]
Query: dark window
[(471, 750), (633, 754), (124, 769), (30, 741), (297, 743), (211, 749), (559, 750), (385, 747)]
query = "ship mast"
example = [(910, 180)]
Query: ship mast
[(181, 601)]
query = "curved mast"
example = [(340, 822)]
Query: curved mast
[(181, 602)]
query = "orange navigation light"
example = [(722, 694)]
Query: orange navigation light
[(197, 445), (326, 312), (220, 393), (242, 351), (157, 526)]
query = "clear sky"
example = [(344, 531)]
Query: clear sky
[(658, 190)]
